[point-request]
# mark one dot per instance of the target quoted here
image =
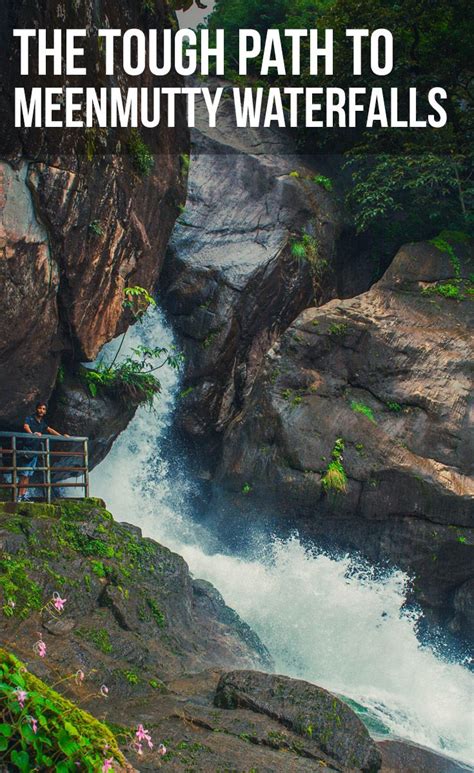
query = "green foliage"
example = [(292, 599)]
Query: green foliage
[(306, 250), (338, 328), (61, 375), (364, 410), (296, 175), (65, 735), (445, 290), (131, 676), (335, 479), (96, 228), (246, 489), (19, 594), (137, 299), (395, 407), (133, 379), (324, 182), (185, 163), (140, 153)]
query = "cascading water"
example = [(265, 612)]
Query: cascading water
[(323, 619)]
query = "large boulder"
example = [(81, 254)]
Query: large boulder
[(81, 219), (328, 723), (359, 429), (231, 281)]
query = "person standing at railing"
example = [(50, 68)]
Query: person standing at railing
[(35, 424)]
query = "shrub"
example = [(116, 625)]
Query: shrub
[(41, 730), (324, 182), (306, 250), (335, 478), (133, 379)]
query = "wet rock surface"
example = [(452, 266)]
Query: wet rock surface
[(80, 221), (387, 373), (305, 709), (230, 282)]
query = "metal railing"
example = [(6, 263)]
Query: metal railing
[(48, 456)]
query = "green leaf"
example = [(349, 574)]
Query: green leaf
[(6, 730), (4, 743), (71, 729), (21, 760), (66, 744)]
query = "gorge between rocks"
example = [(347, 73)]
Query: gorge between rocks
[(328, 619)]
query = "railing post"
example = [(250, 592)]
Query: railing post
[(14, 481), (48, 473), (86, 471)]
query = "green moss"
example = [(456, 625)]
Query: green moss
[(19, 594), (99, 637), (65, 734), (364, 410), (338, 329)]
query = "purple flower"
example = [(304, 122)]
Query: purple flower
[(143, 735), (108, 762), (21, 696), (58, 601), (39, 647), (34, 724)]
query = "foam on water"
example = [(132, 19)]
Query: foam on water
[(325, 619)]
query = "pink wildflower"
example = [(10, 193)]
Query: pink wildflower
[(39, 647), (162, 749), (21, 696), (104, 691), (108, 762), (34, 724), (79, 678), (143, 735), (58, 601)]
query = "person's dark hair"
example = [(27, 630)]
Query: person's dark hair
[(41, 402)]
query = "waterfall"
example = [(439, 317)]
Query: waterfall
[(329, 620)]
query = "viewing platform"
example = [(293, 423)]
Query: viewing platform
[(58, 459)]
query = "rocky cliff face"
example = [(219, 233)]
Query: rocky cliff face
[(359, 429), (81, 219), (233, 279)]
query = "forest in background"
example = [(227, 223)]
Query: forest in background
[(403, 184)]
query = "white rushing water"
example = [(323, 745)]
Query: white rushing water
[(323, 619)]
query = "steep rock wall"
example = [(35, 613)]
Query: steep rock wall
[(80, 219), (389, 374)]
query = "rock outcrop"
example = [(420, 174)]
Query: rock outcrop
[(359, 429), (233, 281), (81, 216), (131, 603), (305, 709)]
